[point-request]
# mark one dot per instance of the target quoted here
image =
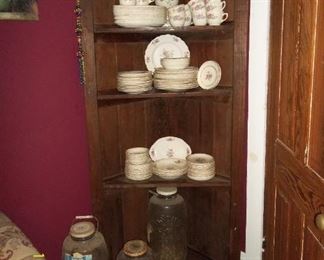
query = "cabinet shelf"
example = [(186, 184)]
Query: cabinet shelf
[(222, 94), (206, 33), (120, 181)]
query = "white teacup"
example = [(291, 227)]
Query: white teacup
[(198, 10), (167, 3), (216, 3), (144, 2), (211, 6), (217, 18), (188, 17), (177, 15), (127, 2)]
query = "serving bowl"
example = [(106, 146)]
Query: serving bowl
[(175, 63)]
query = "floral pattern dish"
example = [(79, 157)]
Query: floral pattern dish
[(169, 147), (164, 46), (209, 74)]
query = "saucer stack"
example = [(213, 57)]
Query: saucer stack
[(170, 169), (201, 166), (134, 82), (175, 75), (138, 165)]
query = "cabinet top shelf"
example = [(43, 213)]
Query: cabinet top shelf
[(120, 181), (221, 32)]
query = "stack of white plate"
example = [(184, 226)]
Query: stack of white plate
[(201, 166), (176, 80), (132, 16), (138, 165), (134, 82), (170, 169)]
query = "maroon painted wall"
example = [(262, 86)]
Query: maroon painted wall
[(44, 177)]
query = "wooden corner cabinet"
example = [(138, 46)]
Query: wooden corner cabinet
[(210, 121)]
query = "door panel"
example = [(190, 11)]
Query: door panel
[(297, 73), (288, 230), (316, 146), (295, 138), (313, 248)]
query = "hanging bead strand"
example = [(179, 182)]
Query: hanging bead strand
[(78, 31)]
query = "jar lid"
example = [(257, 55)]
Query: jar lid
[(166, 191), (135, 248), (82, 230)]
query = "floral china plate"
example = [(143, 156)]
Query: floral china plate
[(169, 147), (164, 46), (209, 74)]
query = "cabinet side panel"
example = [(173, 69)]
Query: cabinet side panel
[(131, 131), (106, 64), (184, 119), (109, 140), (157, 123), (114, 57), (221, 140), (103, 11), (208, 221)]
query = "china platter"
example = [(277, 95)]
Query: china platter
[(164, 46), (169, 147), (209, 75)]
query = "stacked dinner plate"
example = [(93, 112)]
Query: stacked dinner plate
[(132, 16), (134, 82), (176, 80), (138, 165), (170, 169), (201, 166)]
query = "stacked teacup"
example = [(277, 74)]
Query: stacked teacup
[(138, 165), (179, 16), (198, 11), (215, 12), (207, 12)]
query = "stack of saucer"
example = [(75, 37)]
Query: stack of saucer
[(176, 80), (201, 166), (138, 165), (170, 169), (134, 82)]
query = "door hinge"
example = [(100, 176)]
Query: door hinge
[(264, 244)]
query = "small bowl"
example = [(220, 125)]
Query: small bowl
[(175, 63)]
